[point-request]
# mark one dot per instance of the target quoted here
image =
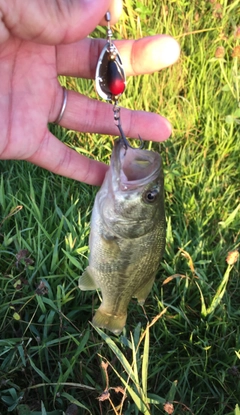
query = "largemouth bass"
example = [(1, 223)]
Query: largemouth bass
[(127, 237)]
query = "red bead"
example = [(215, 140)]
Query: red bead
[(115, 79)]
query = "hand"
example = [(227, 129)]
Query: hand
[(41, 39)]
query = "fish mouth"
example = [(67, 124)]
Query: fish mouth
[(134, 167)]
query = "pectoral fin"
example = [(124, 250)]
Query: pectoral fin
[(86, 281), (142, 293)]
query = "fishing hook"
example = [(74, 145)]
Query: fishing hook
[(125, 142)]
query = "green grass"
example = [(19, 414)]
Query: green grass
[(184, 347)]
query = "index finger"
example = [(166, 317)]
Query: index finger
[(142, 56)]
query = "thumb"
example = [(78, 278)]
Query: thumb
[(52, 21)]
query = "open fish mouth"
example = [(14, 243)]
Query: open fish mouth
[(134, 167)]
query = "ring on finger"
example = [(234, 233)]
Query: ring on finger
[(63, 107)]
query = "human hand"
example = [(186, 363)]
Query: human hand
[(41, 39)]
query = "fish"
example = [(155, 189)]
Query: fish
[(127, 234)]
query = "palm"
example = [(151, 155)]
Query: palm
[(30, 83)]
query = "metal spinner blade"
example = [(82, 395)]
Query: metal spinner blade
[(111, 80), (110, 76)]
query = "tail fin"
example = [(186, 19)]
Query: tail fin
[(114, 323)]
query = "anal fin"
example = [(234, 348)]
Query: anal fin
[(142, 293)]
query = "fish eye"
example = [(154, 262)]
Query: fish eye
[(150, 195)]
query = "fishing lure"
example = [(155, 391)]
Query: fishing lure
[(110, 79)]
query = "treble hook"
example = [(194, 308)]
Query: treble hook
[(125, 142)]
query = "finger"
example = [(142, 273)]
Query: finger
[(55, 156), (89, 115), (141, 56), (51, 22), (115, 10)]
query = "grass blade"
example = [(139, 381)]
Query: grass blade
[(145, 361)]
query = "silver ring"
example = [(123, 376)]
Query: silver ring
[(64, 104)]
